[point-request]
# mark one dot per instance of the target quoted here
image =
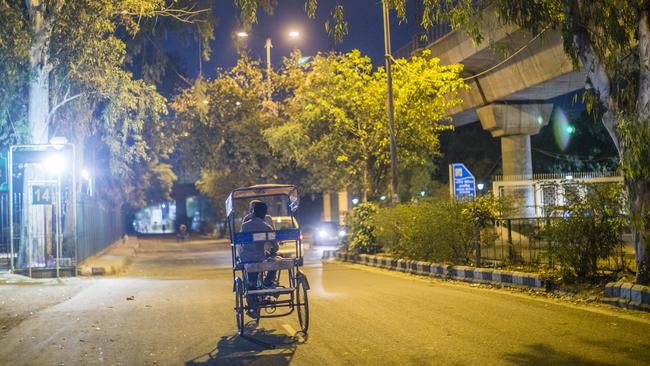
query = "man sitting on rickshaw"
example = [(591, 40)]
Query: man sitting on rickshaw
[(256, 252)]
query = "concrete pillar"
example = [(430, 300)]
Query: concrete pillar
[(327, 206), (336, 206), (516, 157), (514, 124), (345, 202)]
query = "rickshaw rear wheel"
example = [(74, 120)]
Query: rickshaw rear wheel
[(239, 305), (302, 303)]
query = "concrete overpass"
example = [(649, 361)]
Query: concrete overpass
[(511, 75)]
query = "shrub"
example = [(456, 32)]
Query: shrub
[(591, 231), (430, 230), (482, 213), (363, 237)]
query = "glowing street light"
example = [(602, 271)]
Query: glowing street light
[(55, 164), (480, 186), (355, 201), (294, 34)]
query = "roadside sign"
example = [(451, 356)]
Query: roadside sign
[(462, 183), (43, 194)]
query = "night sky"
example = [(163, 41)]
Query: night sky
[(365, 33)]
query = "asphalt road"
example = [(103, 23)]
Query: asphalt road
[(181, 312)]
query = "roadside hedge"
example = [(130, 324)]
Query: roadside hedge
[(431, 230)]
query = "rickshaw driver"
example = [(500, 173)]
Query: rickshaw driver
[(255, 252), (249, 215)]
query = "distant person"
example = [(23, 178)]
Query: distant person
[(182, 232)]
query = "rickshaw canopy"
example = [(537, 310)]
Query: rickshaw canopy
[(263, 190)]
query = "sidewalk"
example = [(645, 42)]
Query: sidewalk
[(112, 260)]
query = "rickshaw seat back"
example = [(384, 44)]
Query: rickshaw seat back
[(278, 235), (270, 265)]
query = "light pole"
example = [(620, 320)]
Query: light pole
[(56, 164), (391, 113), (268, 45)]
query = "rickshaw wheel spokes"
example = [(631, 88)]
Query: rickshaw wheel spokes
[(239, 305), (302, 303)]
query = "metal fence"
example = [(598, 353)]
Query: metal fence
[(97, 225), (4, 232), (519, 242)]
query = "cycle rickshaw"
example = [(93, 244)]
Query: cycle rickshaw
[(289, 292)]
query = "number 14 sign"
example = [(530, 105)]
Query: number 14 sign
[(43, 194)]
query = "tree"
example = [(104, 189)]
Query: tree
[(337, 128), (220, 122), (610, 40), (66, 58)]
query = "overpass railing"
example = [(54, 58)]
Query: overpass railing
[(422, 40)]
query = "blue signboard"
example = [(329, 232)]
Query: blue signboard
[(463, 183)]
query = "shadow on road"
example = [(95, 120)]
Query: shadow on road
[(541, 354), (259, 347)]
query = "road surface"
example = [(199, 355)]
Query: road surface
[(174, 307)]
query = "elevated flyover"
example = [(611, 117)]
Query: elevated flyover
[(512, 75)]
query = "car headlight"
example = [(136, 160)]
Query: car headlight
[(322, 234), (342, 233)]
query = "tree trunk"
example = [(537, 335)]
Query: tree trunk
[(36, 220), (365, 184), (640, 187), (38, 107)]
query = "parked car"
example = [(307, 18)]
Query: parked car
[(328, 233)]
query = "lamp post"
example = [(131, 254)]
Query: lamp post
[(56, 164), (391, 113), (268, 45)]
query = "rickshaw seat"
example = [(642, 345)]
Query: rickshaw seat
[(270, 265)]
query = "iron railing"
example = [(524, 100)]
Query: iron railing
[(519, 242), (97, 226), (422, 40)]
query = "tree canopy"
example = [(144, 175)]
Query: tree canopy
[(337, 127), (220, 123), (66, 72)]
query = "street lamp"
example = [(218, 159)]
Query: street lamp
[(294, 34)]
